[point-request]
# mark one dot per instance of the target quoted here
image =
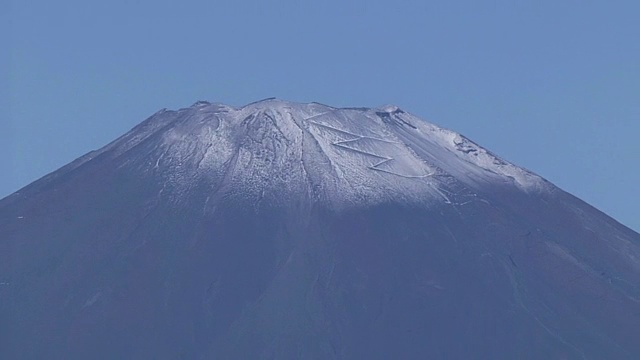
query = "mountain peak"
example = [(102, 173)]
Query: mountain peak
[(392, 109), (293, 231), (281, 149)]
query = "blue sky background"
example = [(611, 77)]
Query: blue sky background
[(553, 86)]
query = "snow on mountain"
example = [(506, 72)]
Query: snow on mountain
[(349, 155)]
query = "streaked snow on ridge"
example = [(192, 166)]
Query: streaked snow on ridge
[(343, 154)]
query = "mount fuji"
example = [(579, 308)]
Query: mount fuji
[(280, 230)]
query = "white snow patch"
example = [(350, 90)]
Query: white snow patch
[(275, 148)]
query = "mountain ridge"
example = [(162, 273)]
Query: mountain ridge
[(381, 140)]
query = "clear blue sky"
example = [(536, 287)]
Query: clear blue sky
[(553, 86)]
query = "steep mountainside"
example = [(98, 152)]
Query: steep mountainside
[(285, 230)]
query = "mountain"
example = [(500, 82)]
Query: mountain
[(302, 231)]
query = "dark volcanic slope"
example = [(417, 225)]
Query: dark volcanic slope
[(282, 230)]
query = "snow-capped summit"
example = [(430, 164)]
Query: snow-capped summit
[(302, 231), (337, 154)]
